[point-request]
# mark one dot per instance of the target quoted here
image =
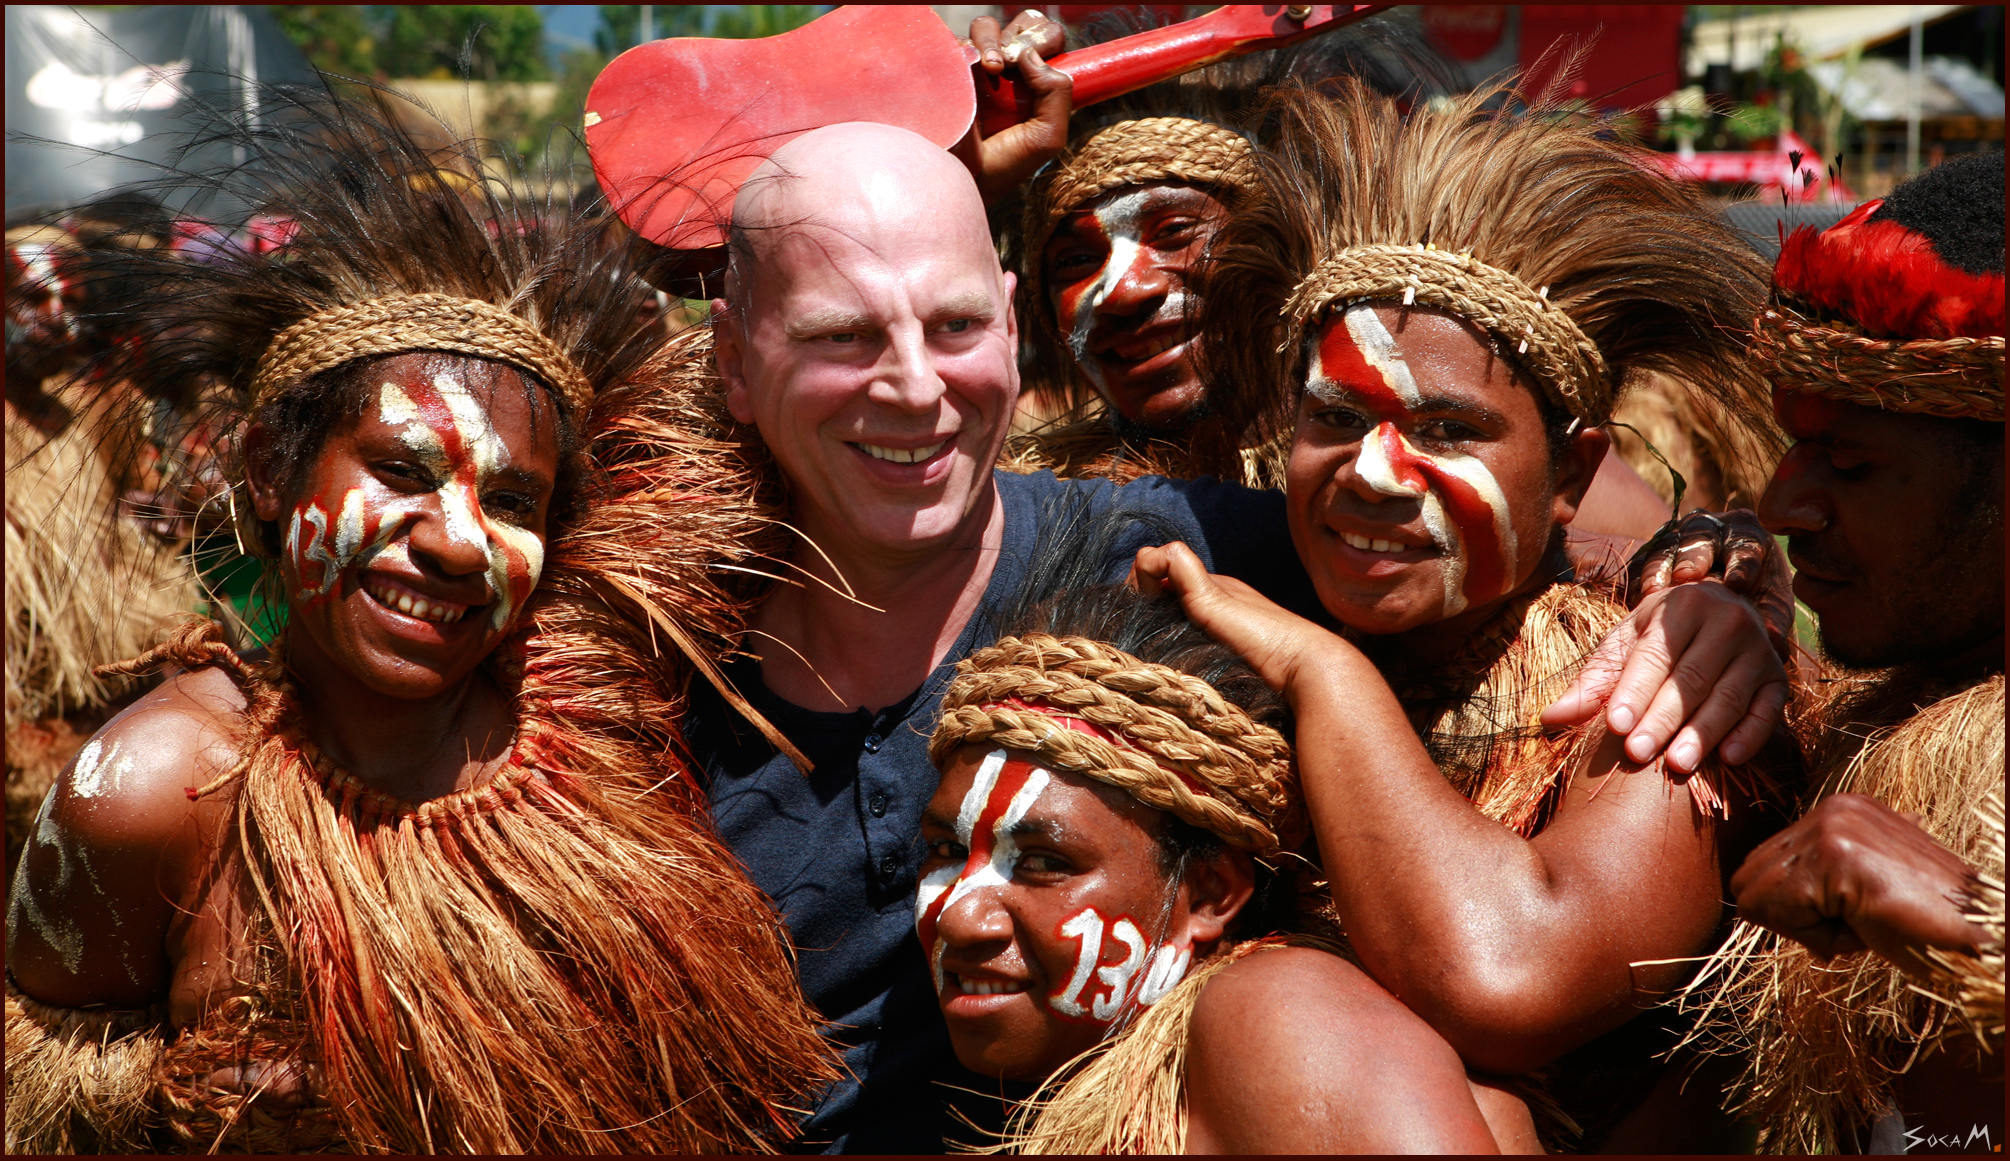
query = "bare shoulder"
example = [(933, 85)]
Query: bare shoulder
[(1288, 991), (116, 844), (1296, 1050)]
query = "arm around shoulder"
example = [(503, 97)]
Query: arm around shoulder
[(116, 846)]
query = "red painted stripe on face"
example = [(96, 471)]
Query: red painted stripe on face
[(982, 842), (1341, 361), (440, 418), (1486, 564)]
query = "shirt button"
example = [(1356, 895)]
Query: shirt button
[(888, 865), (878, 805), (872, 743)]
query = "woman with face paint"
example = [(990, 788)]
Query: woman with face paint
[(1110, 904), (1448, 304), (426, 873)]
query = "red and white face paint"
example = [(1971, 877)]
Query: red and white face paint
[(1119, 221), (40, 291), (1356, 363), (447, 430), (1130, 978), (1114, 962), (997, 801)]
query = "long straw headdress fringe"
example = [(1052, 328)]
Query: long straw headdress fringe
[(564, 959), (1583, 265), (1823, 1043)]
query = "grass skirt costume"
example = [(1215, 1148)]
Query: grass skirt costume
[(563, 959)]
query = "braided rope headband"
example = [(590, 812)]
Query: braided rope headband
[(1561, 356), (400, 323), (1167, 738), (1132, 153), (1958, 378)]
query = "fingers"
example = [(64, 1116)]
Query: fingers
[(1148, 571), (1650, 660), (986, 39), (1723, 709), (1587, 693), (1749, 736), (1694, 557), (1033, 29)]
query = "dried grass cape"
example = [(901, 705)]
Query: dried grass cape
[(1200, 129), (566, 959), (1823, 1044)]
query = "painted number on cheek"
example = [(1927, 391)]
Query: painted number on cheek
[(1087, 928)]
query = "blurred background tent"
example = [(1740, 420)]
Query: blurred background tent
[(95, 95)]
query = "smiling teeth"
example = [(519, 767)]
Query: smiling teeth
[(989, 987), (416, 607), (1367, 545), (899, 456)]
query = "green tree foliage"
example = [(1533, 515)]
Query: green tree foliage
[(621, 25), (336, 38), (428, 40), (753, 20)]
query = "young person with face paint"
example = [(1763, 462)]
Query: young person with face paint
[(1450, 302), (1108, 872), (428, 873), (1883, 340)]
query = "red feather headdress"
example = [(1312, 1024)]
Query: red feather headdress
[(1888, 280)]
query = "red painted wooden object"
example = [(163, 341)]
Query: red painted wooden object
[(674, 126), (1130, 63)]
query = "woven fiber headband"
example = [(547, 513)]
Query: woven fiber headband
[(1958, 378), (398, 323), (1178, 746), (1561, 357), (1132, 153)]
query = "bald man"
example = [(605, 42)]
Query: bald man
[(867, 333)]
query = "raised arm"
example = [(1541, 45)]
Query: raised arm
[(1515, 950)]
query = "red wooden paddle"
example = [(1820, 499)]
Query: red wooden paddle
[(674, 126)]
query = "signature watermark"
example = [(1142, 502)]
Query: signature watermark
[(1977, 1134)]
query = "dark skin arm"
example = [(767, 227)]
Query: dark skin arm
[(1002, 162), (1515, 950), (100, 901), (1854, 874), (1296, 1051)]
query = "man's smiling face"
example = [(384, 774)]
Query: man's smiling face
[(870, 338), (1116, 277)]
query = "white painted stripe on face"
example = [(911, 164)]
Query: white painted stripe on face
[(1376, 468), (1477, 476), (1378, 347), (1004, 850), (1118, 220)]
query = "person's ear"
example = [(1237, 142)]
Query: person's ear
[(1008, 292), (258, 473), (729, 349), (1578, 466), (1217, 890)]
